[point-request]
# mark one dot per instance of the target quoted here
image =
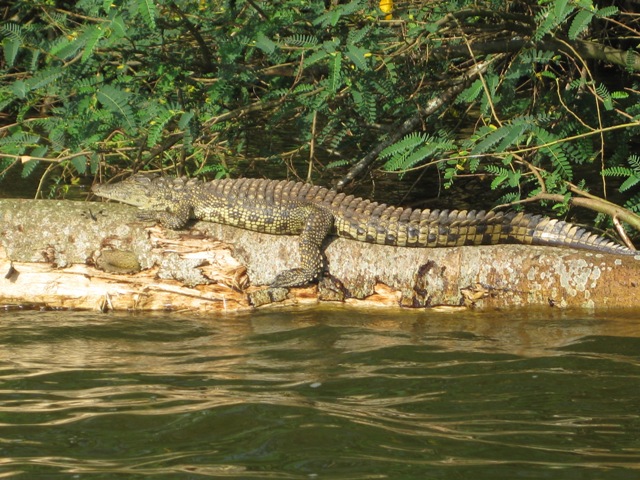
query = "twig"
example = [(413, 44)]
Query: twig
[(27, 158), (312, 145), (205, 53), (485, 87), (589, 50), (621, 233), (598, 111), (258, 9)]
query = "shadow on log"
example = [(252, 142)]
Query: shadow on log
[(61, 254)]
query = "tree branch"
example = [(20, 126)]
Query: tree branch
[(414, 121)]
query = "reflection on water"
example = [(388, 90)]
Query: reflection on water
[(320, 394)]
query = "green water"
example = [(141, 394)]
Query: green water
[(327, 394)]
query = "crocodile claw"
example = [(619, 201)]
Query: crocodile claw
[(296, 277)]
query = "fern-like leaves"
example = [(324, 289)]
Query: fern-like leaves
[(553, 149), (580, 23), (148, 12), (413, 149), (117, 101), (10, 47), (632, 172)]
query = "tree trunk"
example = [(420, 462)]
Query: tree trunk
[(61, 254)]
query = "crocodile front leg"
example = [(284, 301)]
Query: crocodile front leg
[(317, 223), (175, 218)]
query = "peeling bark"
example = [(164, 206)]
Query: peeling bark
[(50, 250)]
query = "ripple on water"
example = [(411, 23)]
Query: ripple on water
[(320, 393)]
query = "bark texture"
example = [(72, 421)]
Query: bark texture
[(54, 254)]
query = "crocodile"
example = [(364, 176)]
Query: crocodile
[(295, 208)]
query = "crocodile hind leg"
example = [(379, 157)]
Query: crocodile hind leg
[(316, 224)]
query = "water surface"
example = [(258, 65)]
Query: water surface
[(320, 393)]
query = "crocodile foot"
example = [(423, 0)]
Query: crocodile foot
[(296, 277)]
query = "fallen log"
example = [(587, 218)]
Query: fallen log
[(60, 254)]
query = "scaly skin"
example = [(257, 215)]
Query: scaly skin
[(294, 208)]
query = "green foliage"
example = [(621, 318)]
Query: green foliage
[(413, 149), (552, 148), (126, 79), (632, 172), (117, 101), (471, 93), (11, 45), (546, 127), (147, 9), (502, 174), (333, 16), (580, 23), (265, 44)]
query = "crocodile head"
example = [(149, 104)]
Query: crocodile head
[(147, 191)]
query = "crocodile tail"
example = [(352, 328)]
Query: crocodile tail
[(386, 225), (381, 224), (491, 228), (550, 231)]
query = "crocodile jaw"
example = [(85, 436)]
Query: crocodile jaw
[(137, 190)]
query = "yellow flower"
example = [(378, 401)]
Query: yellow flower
[(386, 6)]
